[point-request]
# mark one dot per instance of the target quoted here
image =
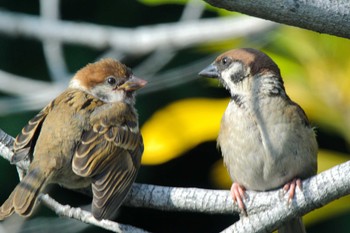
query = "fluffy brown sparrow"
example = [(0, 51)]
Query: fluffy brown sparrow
[(88, 135), (265, 138)]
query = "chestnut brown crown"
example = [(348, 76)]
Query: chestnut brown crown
[(108, 80)]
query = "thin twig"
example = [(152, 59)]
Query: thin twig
[(87, 217)]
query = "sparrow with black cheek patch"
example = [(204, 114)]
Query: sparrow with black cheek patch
[(265, 138), (88, 135)]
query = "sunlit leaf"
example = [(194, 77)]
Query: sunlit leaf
[(179, 127)]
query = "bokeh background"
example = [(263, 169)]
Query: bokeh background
[(179, 112)]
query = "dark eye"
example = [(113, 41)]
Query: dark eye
[(226, 61), (111, 81)]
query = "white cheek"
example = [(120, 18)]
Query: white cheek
[(76, 84), (112, 96), (116, 96), (226, 75)]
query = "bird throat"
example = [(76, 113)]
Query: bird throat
[(237, 99)]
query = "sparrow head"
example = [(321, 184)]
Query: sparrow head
[(108, 80), (246, 71)]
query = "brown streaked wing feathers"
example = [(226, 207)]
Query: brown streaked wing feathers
[(25, 141), (111, 155), (111, 187), (98, 145)]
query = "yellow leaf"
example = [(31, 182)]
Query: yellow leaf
[(179, 127)]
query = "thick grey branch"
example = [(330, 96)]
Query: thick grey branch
[(324, 16), (266, 210), (273, 211)]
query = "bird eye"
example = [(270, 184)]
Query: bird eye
[(226, 61), (111, 81)]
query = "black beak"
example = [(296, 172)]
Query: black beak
[(210, 71)]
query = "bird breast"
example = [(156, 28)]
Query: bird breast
[(262, 146)]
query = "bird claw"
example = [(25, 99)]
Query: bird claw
[(291, 187), (238, 195)]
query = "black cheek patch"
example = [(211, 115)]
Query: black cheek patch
[(238, 100), (237, 76)]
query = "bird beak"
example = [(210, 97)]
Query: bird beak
[(210, 71), (133, 84)]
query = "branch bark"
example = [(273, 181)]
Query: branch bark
[(266, 210), (324, 16), (86, 217)]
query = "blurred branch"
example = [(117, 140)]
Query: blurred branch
[(324, 16), (266, 210), (30, 94), (176, 76), (193, 10), (162, 39), (26, 87), (138, 40), (162, 56), (53, 49)]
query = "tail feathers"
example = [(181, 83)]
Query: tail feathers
[(24, 198), (293, 226), (7, 208)]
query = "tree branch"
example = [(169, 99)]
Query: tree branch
[(87, 217), (53, 49), (266, 210), (324, 16), (138, 40)]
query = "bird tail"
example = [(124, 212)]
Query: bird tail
[(293, 226), (24, 197)]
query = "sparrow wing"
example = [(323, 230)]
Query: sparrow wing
[(111, 156), (25, 141)]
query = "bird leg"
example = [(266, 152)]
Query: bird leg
[(291, 186), (238, 194)]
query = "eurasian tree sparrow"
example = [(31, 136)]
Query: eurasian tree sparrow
[(265, 138), (88, 135)]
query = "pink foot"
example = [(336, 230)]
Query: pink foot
[(238, 194), (291, 186)]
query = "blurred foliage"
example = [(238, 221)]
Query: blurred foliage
[(180, 124), (219, 11)]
